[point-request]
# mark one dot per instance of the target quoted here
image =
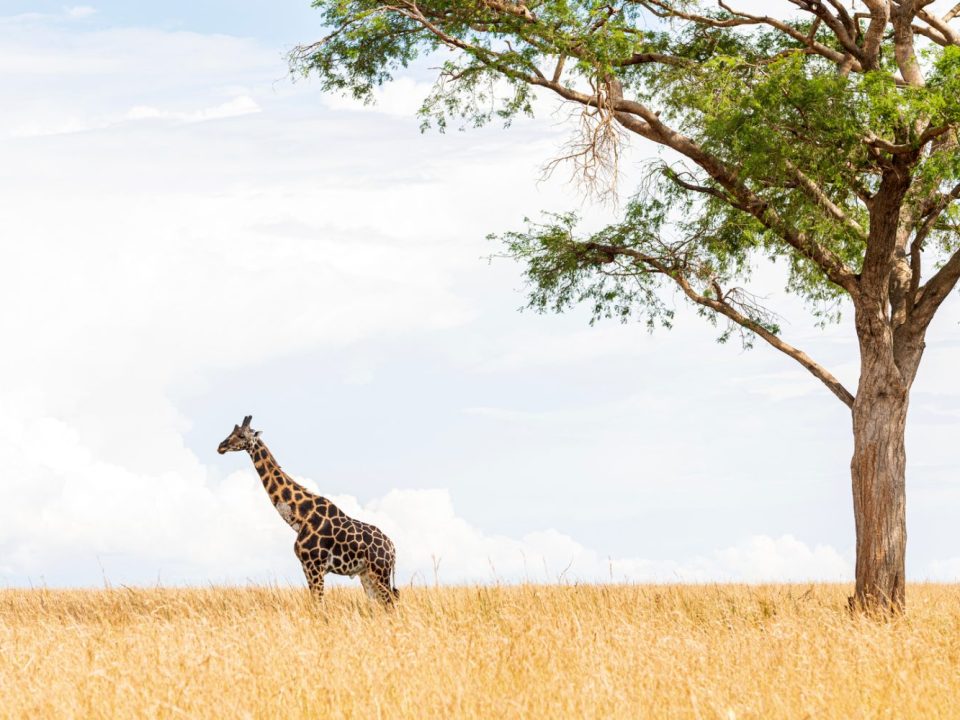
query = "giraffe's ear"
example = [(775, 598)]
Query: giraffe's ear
[(236, 428), (257, 433)]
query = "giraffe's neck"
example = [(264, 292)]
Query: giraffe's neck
[(293, 501)]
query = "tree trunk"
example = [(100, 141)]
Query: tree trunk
[(879, 499)]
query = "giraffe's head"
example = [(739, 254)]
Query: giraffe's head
[(241, 438)]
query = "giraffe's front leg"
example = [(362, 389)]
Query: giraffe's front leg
[(314, 575)]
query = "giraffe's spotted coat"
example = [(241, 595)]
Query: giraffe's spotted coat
[(328, 540)]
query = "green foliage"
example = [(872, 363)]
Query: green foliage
[(564, 272), (797, 131)]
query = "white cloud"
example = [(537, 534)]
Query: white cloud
[(75, 12), (242, 105), (59, 78), (80, 11), (70, 511), (785, 559), (402, 97), (174, 522), (434, 543), (235, 107), (541, 350)]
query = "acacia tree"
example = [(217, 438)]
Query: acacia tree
[(824, 138)]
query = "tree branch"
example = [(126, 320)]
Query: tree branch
[(721, 306), (822, 199), (664, 9), (927, 217), (650, 57), (903, 46), (841, 25), (652, 128), (935, 291), (873, 38), (945, 35), (930, 133)]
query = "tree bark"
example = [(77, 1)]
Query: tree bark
[(878, 473)]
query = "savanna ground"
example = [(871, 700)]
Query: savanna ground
[(531, 651)]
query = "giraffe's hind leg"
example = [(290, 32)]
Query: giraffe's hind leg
[(378, 588), (369, 583), (314, 575)]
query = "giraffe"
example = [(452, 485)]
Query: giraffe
[(328, 540)]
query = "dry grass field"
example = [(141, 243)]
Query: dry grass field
[(478, 652)]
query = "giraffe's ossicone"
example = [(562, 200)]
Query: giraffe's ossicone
[(328, 540)]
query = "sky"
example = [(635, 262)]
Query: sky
[(189, 236)]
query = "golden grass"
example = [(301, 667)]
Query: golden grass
[(478, 652)]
